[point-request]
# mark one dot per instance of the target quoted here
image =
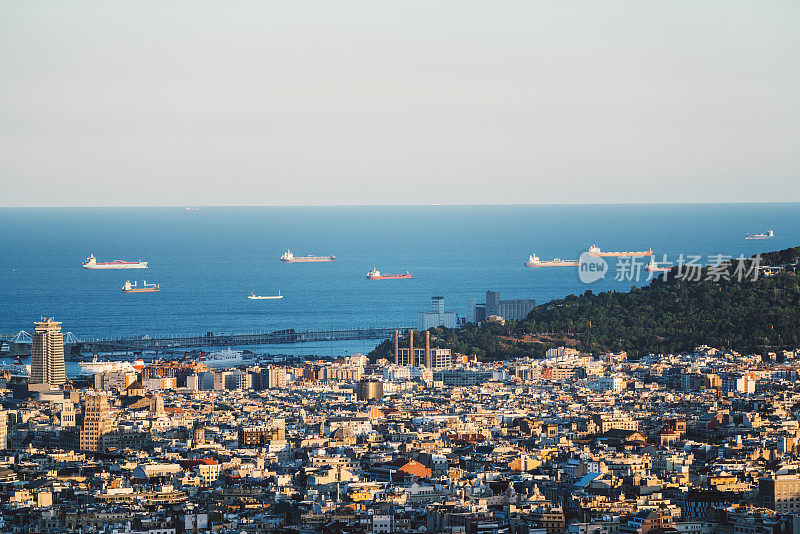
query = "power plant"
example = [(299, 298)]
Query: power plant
[(420, 357)]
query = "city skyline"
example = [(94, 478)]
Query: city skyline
[(448, 267)]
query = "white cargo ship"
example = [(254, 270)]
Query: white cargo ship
[(534, 261), (224, 358), (92, 263), (98, 366), (289, 257), (767, 235)]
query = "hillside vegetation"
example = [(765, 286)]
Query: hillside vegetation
[(669, 315)]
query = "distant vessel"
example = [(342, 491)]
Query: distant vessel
[(595, 251), (653, 267), (253, 296), (192, 209), (225, 358), (17, 368), (375, 274), (144, 288), (288, 257), (768, 235), (98, 366), (534, 261), (92, 263)]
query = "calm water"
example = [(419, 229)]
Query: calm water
[(208, 261)]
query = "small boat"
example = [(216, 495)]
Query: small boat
[(144, 288), (189, 208), (253, 296), (654, 267), (768, 235)]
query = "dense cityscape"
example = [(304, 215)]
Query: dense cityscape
[(313, 267), (424, 441)]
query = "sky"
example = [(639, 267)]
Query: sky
[(273, 102)]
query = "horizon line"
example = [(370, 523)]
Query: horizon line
[(487, 204)]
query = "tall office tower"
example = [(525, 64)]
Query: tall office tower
[(96, 422), (47, 353)]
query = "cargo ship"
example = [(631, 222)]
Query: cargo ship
[(768, 235), (92, 263), (653, 267), (253, 296), (144, 288), (375, 274), (288, 257), (534, 261), (98, 366), (595, 251)]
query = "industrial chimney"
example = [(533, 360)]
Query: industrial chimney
[(396, 341), (428, 359), (410, 348)]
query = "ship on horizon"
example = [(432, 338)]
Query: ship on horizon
[(375, 274), (768, 235), (92, 263), (289, 257), (594, 250), (534, 261), (253, 296), (144, 288)]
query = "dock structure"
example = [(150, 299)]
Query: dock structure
[(167, 344), (20, 344)]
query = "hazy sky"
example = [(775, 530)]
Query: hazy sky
[(369, 102)]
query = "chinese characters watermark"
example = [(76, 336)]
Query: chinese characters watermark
[(691, 268)]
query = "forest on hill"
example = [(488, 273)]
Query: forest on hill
[(674, 313)]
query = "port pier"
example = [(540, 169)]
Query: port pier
[(208, 340)]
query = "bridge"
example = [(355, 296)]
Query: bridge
[(20, 343)]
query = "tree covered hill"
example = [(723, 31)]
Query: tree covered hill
[(669, 315)]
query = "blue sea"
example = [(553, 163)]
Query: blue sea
[(208, 261)]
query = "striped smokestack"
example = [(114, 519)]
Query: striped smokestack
[(428, 359), (396, 340), (410, 348)]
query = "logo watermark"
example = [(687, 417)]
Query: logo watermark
[(591, 268), (688, 267)]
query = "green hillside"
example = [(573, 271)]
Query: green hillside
[(669, 315)]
